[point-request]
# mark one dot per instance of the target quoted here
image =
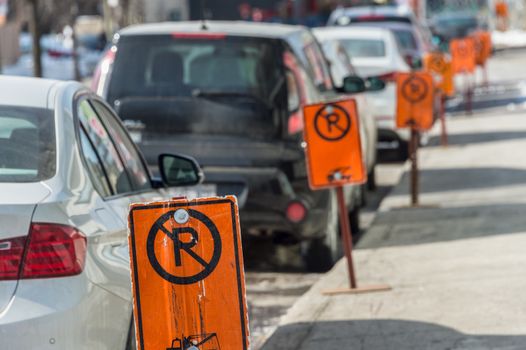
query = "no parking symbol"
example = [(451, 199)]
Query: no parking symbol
[(188, 276)]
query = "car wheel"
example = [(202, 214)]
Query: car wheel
[(131, 344), (371, 179), (354, 221), (320, 254), (403, 150)]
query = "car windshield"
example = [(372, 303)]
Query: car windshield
[(169, 66), (406, 39), (27, 144), (457, 22), (360, 48)]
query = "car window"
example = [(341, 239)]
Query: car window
[(360, 48), (100, 139), (131, 157), (175, 65), (94, 166), (307, 50), (406, 39), (27, 144), (293, 92)]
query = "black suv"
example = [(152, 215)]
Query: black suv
[(231, 95)]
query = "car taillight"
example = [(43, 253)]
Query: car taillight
[(53, 251), (388, 77), (50, 250), (296, 212), (101, 71), (11, 252)]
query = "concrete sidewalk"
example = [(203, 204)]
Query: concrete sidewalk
[(457, 268)]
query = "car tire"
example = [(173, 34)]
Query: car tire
[(354, 221), (320, 254), (403, 150), (371, 179), (131, 344)]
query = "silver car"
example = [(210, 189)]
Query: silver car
[(68, 172)]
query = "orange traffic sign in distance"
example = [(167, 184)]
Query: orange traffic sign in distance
[(188, 276), (415, 97), (463, 55), (437, 63), (483, 47), (334, 153)]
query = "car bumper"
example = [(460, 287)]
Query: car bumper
[(64, 313), (266, 193)]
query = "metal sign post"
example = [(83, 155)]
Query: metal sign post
[(334, 159), (443, 128), (415, 111), (413, 154), (346, 236)]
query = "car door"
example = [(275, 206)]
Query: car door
[(120, 177)]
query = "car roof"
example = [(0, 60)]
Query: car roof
[(387, 10), (28, 92), (366, 32), (233, 28), (386, 25)]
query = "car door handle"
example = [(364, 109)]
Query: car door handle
[(135, 125)]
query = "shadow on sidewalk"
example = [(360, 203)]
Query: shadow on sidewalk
[(384, 335), (404, 227), (475, 138), (457, 179)]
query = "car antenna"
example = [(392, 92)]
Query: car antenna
[(204, 26)]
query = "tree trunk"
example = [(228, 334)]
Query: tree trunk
[(35, 34)]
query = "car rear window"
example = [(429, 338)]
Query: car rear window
[(360, 48), (184, 65), (190, 83), (406, 39), (27, 144), (346, 20)]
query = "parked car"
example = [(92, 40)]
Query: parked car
[(341, 67), (450, 25), (375, 52), (344, 16), (68, 173), (231, 94), (412, 42)]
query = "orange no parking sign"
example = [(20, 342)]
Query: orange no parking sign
[(463, 55), (415, 97), (437, 63), (334, 153), (188, 276)]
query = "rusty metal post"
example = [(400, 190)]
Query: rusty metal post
[(485, 74), (443, 135), (469, 95), (413, 149), (346, 235)]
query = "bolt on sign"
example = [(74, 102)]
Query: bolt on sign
[(415, 97), (437, 63), (188, 276), (334, 153), (463, 55)]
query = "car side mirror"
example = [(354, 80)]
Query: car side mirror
[(353, 85), (374, 84), (178, 170)]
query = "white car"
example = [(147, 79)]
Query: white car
[(374, 52), (341, 67), (68, 173)]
